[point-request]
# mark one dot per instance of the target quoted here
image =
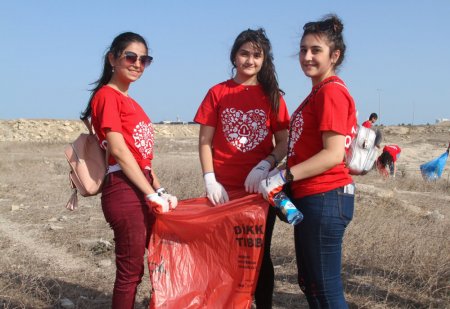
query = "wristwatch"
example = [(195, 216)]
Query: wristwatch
[(161, 191), (289, 177)]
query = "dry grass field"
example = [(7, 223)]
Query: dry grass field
[(396, 249)]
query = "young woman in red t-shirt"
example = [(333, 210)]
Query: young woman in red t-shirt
[(321, 188), (388, 159), (239, 119), (132, 191)]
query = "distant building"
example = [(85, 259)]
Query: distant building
[(439, 120)]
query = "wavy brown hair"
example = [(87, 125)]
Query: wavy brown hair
[(267, 76)]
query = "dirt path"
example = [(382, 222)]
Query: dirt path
[(36, 249)]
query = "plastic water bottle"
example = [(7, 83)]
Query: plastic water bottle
[(293, 215)]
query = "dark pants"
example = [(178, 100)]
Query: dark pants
[(127, 213), (264, 287), (318, 246)]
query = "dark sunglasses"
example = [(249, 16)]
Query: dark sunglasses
[(131, 58), (318, 26)]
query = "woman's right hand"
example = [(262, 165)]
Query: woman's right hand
[(215, 192)]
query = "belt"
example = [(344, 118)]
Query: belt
[(116, 167), (113, 168)]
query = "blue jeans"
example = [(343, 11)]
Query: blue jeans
[(318, 246)]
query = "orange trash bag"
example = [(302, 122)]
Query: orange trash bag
[(207, 257)]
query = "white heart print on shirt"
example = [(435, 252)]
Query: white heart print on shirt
[(296, 128), (143, 135), (244, 130)]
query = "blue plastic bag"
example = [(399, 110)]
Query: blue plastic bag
[(433, 170)]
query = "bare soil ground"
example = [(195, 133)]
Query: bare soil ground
[(396, 250)]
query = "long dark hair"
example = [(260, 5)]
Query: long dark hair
[(385, 158), (331, 28), (267, 76), (118, 45)]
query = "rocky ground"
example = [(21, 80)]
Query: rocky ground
[(61, 131)]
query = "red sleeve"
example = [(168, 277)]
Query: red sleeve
[(281, 121), (207, 112), (332, 104), (106, 108), (367, 124)]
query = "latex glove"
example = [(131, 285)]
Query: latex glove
[(258, 173), (157, 203), (215, 191), (271, 186), (171, 199), (273, 172)]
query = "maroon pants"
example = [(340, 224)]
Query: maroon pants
[(130, 218)]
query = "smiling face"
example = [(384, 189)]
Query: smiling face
[(315, 58), (125, 71), (248, 62)]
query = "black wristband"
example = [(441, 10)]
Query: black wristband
[(274, 159), (161, 191)]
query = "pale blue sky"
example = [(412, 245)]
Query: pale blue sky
[(52, 50)]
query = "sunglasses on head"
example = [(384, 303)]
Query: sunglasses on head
[(131, 58), (318, 26)]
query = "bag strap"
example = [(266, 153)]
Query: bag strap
[(302, 106), (72, 204), (90, 127), (287, 186)]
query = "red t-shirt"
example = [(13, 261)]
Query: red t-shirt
[(112, 110), (393, 150), (367, 124), (330, 109), (244, 126)]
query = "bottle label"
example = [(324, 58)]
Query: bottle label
[(292, 214)]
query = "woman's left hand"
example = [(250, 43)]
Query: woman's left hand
[(171, 199), (258, 173)]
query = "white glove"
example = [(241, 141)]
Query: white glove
[(258, 173), (273, 172), (171, 199), (271, 186), (214, 190), (157, 203)]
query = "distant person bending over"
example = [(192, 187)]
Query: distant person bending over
[(372, 119), (321, 129), (388, 159), (238, 120), (132, 191)]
